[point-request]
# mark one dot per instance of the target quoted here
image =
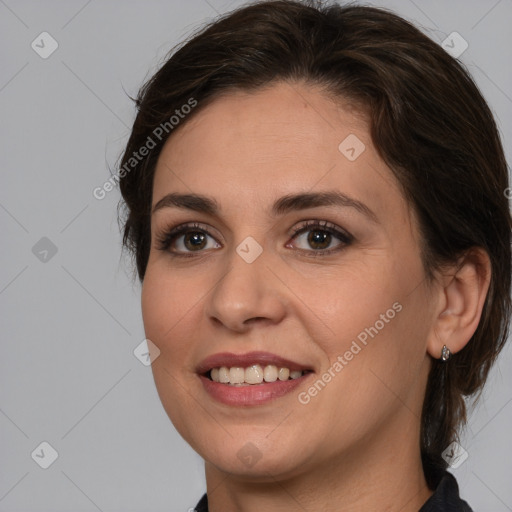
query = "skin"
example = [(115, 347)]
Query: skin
[(356, 444)]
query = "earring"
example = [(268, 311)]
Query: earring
[(445, 353)]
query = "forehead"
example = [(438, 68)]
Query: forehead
[(249, 148), (283, 120)]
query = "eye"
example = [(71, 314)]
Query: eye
[(316, 237), (319, 237), (187, 238)]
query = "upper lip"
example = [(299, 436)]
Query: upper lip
[(229, 359)]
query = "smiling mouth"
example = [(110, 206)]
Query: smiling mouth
[(253, 375)]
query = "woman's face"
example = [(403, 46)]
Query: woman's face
[(333, 288)]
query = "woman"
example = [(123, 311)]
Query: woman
[(315, 200)]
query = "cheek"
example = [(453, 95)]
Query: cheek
[(168, 305), (352, 302), (167, 309), (377, 321)]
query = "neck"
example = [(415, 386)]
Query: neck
[(385, 475)]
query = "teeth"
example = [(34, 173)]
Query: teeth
[(236, 375), (254, 374), (224, 375), (270, 373), (283, 374)]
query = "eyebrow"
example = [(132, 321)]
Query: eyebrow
[(288, 203)]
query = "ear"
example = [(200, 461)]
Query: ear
[(461, 292)]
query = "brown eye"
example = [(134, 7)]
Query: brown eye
[(186, 239), (194, 240), (320, 237)]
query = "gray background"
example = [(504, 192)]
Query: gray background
[(70, 324)]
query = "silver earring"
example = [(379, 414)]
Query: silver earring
[(445, 353)]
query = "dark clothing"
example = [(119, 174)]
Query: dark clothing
[(445, 498)]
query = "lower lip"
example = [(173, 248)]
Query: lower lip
[(254, 394)]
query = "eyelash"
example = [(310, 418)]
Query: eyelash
[(167, 238)]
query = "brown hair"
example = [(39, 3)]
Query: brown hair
[(428, 121)]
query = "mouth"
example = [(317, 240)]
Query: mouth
[(250, 379), (253, 375)]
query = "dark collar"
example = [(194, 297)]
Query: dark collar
[(445, 498)]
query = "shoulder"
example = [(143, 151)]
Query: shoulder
[(446, 497), (202, 506)]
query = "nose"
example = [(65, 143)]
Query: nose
[(246, 294)]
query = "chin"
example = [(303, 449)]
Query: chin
[(255, 458)]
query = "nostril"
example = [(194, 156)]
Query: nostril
[(254, 319)]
